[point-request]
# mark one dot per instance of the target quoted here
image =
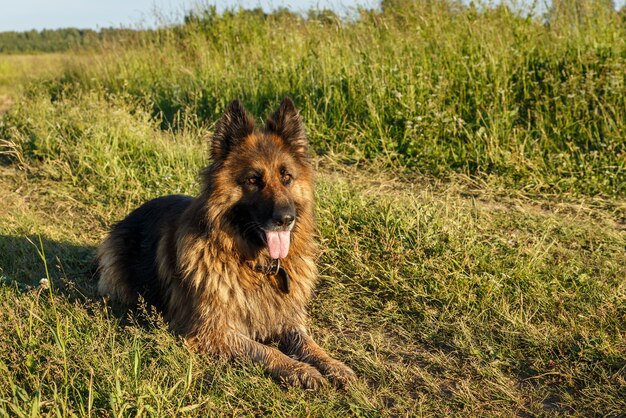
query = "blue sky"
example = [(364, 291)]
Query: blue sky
[(20, 15)]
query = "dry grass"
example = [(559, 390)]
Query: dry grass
[(445, 298), (16, 70), (494, 288)]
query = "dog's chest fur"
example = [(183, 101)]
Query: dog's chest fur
[(223, 293)]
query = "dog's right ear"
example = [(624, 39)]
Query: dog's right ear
[(234, 126)]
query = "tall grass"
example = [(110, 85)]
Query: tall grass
[(434, 87), (16, 69)]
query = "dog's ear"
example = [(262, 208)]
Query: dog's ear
[(287, 123), (234, 126)]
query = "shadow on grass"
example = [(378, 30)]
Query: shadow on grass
[(72, 270), (70, 267)]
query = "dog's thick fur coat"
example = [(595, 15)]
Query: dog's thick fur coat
[(205, 261)]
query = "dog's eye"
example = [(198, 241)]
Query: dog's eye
[(287, 179), (254, 181)]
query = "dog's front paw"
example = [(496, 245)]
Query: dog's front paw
[(304, 376), (339, 374)]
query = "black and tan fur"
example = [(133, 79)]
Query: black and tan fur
[(197, 259)]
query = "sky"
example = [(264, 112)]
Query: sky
[(23, 15)]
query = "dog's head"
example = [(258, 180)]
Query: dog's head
[(260, 180)]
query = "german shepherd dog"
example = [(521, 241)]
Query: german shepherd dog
[(233, 268)]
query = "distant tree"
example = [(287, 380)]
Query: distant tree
[(58, 40), (325, 16), (566, 15)]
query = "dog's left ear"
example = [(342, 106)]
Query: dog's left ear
[(287, 123)]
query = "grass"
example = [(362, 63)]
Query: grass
[(15, 70), (469, 268), (435, 89), (18, 70)]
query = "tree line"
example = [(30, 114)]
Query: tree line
[(560, 12), (58, 40)]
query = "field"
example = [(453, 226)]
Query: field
[(471, 209)]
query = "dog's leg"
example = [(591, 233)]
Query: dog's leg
[(300, 344), (280, 366)]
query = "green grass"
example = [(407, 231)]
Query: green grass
[(471, 214), (434, 89), (16, 69)]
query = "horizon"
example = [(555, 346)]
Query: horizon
[(145, 14), (142, 14)]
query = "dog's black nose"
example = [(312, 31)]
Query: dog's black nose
[(282, 219), (283, 214)]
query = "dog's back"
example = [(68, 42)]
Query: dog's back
[(127, 259)]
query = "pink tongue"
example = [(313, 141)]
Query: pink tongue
[(278, 243)]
